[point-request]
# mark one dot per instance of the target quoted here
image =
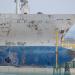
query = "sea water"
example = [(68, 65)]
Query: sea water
[(31, 74)]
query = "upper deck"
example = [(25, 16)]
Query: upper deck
[(33, 29)]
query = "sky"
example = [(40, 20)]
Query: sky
[(71, 33), (45, 6), (52, 6)]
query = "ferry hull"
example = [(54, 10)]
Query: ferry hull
[(34, 55)]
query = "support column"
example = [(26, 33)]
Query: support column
[(57, 41), (57, 68), (73, 64), (57, 71), (67, 69)]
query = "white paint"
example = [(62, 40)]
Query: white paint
[(38, 29)]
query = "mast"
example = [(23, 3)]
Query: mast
[(17, 7), (24, 7)]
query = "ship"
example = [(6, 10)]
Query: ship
[(34, 39)]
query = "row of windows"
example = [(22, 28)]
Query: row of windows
[(12, 43)]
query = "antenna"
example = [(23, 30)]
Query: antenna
[(16, 1), (24, 6)]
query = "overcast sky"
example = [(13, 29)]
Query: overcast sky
[(45, 6), (71, 33)]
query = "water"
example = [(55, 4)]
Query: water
[(25, 74), (29, 74), (34, 71)]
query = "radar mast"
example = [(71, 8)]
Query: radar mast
[(22, 6)]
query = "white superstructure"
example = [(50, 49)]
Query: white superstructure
[(22, 7), (33, 29), (38, 29)]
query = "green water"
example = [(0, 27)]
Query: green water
[(25, 74), (29, 74)]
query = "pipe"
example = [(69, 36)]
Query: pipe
[(57, 39)]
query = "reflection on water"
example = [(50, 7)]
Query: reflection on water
[(25, 74), (30, 74)]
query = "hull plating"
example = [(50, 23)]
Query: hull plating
[(33, 55)]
